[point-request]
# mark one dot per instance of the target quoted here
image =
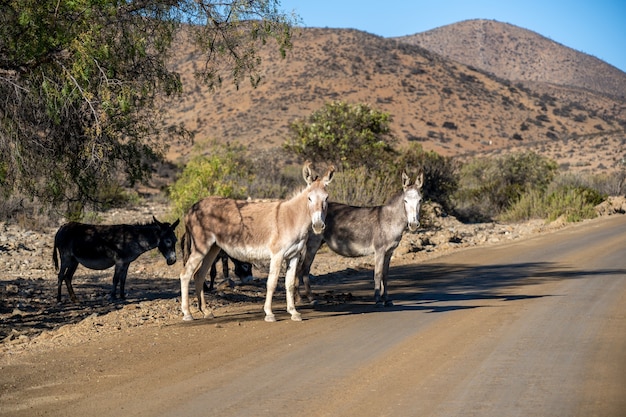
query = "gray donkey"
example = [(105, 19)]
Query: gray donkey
[(358, 231)]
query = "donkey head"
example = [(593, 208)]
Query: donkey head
[(317, 195), (167, 240), (412, 199)]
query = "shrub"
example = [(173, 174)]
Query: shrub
[(344, 134), (224, 173), (488, 187), (608, 184), (574, 203), (361, 187), (275, 176), (440, 176), (365, 187)]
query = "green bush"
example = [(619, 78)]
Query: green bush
[(361, 187), (224, 173), (489, 187), (575, 203), (347, 135)]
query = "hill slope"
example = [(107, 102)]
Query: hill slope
[(518, 54), (444, 105)]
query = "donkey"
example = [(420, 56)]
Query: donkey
[(254, 231), (103, 246), (358, 231), (242, 269)]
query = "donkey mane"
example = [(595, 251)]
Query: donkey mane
[(394, 197)]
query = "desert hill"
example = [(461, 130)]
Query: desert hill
[(448, 107), (518, 54)]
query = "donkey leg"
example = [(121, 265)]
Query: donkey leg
[(61, 278), (379, 266), (192, 263), (296, 283), (199, 277), (272, 281), (290, 286), (212, 275), (66, 272), (69, 274), (388, 302), (313, 243), (122, 278), (304, 269)]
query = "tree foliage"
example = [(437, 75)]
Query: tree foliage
[(348, 135), (80, 81)]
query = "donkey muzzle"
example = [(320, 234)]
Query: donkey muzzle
[(413, 226), (318, 227), (170, 259)]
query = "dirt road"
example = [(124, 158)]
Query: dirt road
[(531, 328)]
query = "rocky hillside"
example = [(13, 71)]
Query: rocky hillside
[(446, 106)]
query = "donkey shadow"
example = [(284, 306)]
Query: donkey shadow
[(28, 307), (440, 287)]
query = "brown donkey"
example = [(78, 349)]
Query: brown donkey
[(254, 231)]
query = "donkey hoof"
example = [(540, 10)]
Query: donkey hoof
[(187, 317), (270, 318), (388, 303), (379, 304), (208, 315), (296, 317)]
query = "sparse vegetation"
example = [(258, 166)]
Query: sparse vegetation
[(515, 186), (430, 90), (573, 203)]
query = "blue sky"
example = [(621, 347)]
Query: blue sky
[(597, 27)]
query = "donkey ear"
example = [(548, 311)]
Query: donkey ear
[(406, 181), (328, 177), (308, 174), (155, 220), (419, 181), (173, 226)]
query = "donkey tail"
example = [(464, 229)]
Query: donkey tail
[(55, 249), (185, 246)]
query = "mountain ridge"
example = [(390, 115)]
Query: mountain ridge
[(519, 54)]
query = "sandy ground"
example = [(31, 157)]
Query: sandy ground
[(533, 327)]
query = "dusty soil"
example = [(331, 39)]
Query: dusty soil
[(67, 339), (31, 319)]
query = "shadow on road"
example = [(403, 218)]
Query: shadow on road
[(441, 287), (431, 288)]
